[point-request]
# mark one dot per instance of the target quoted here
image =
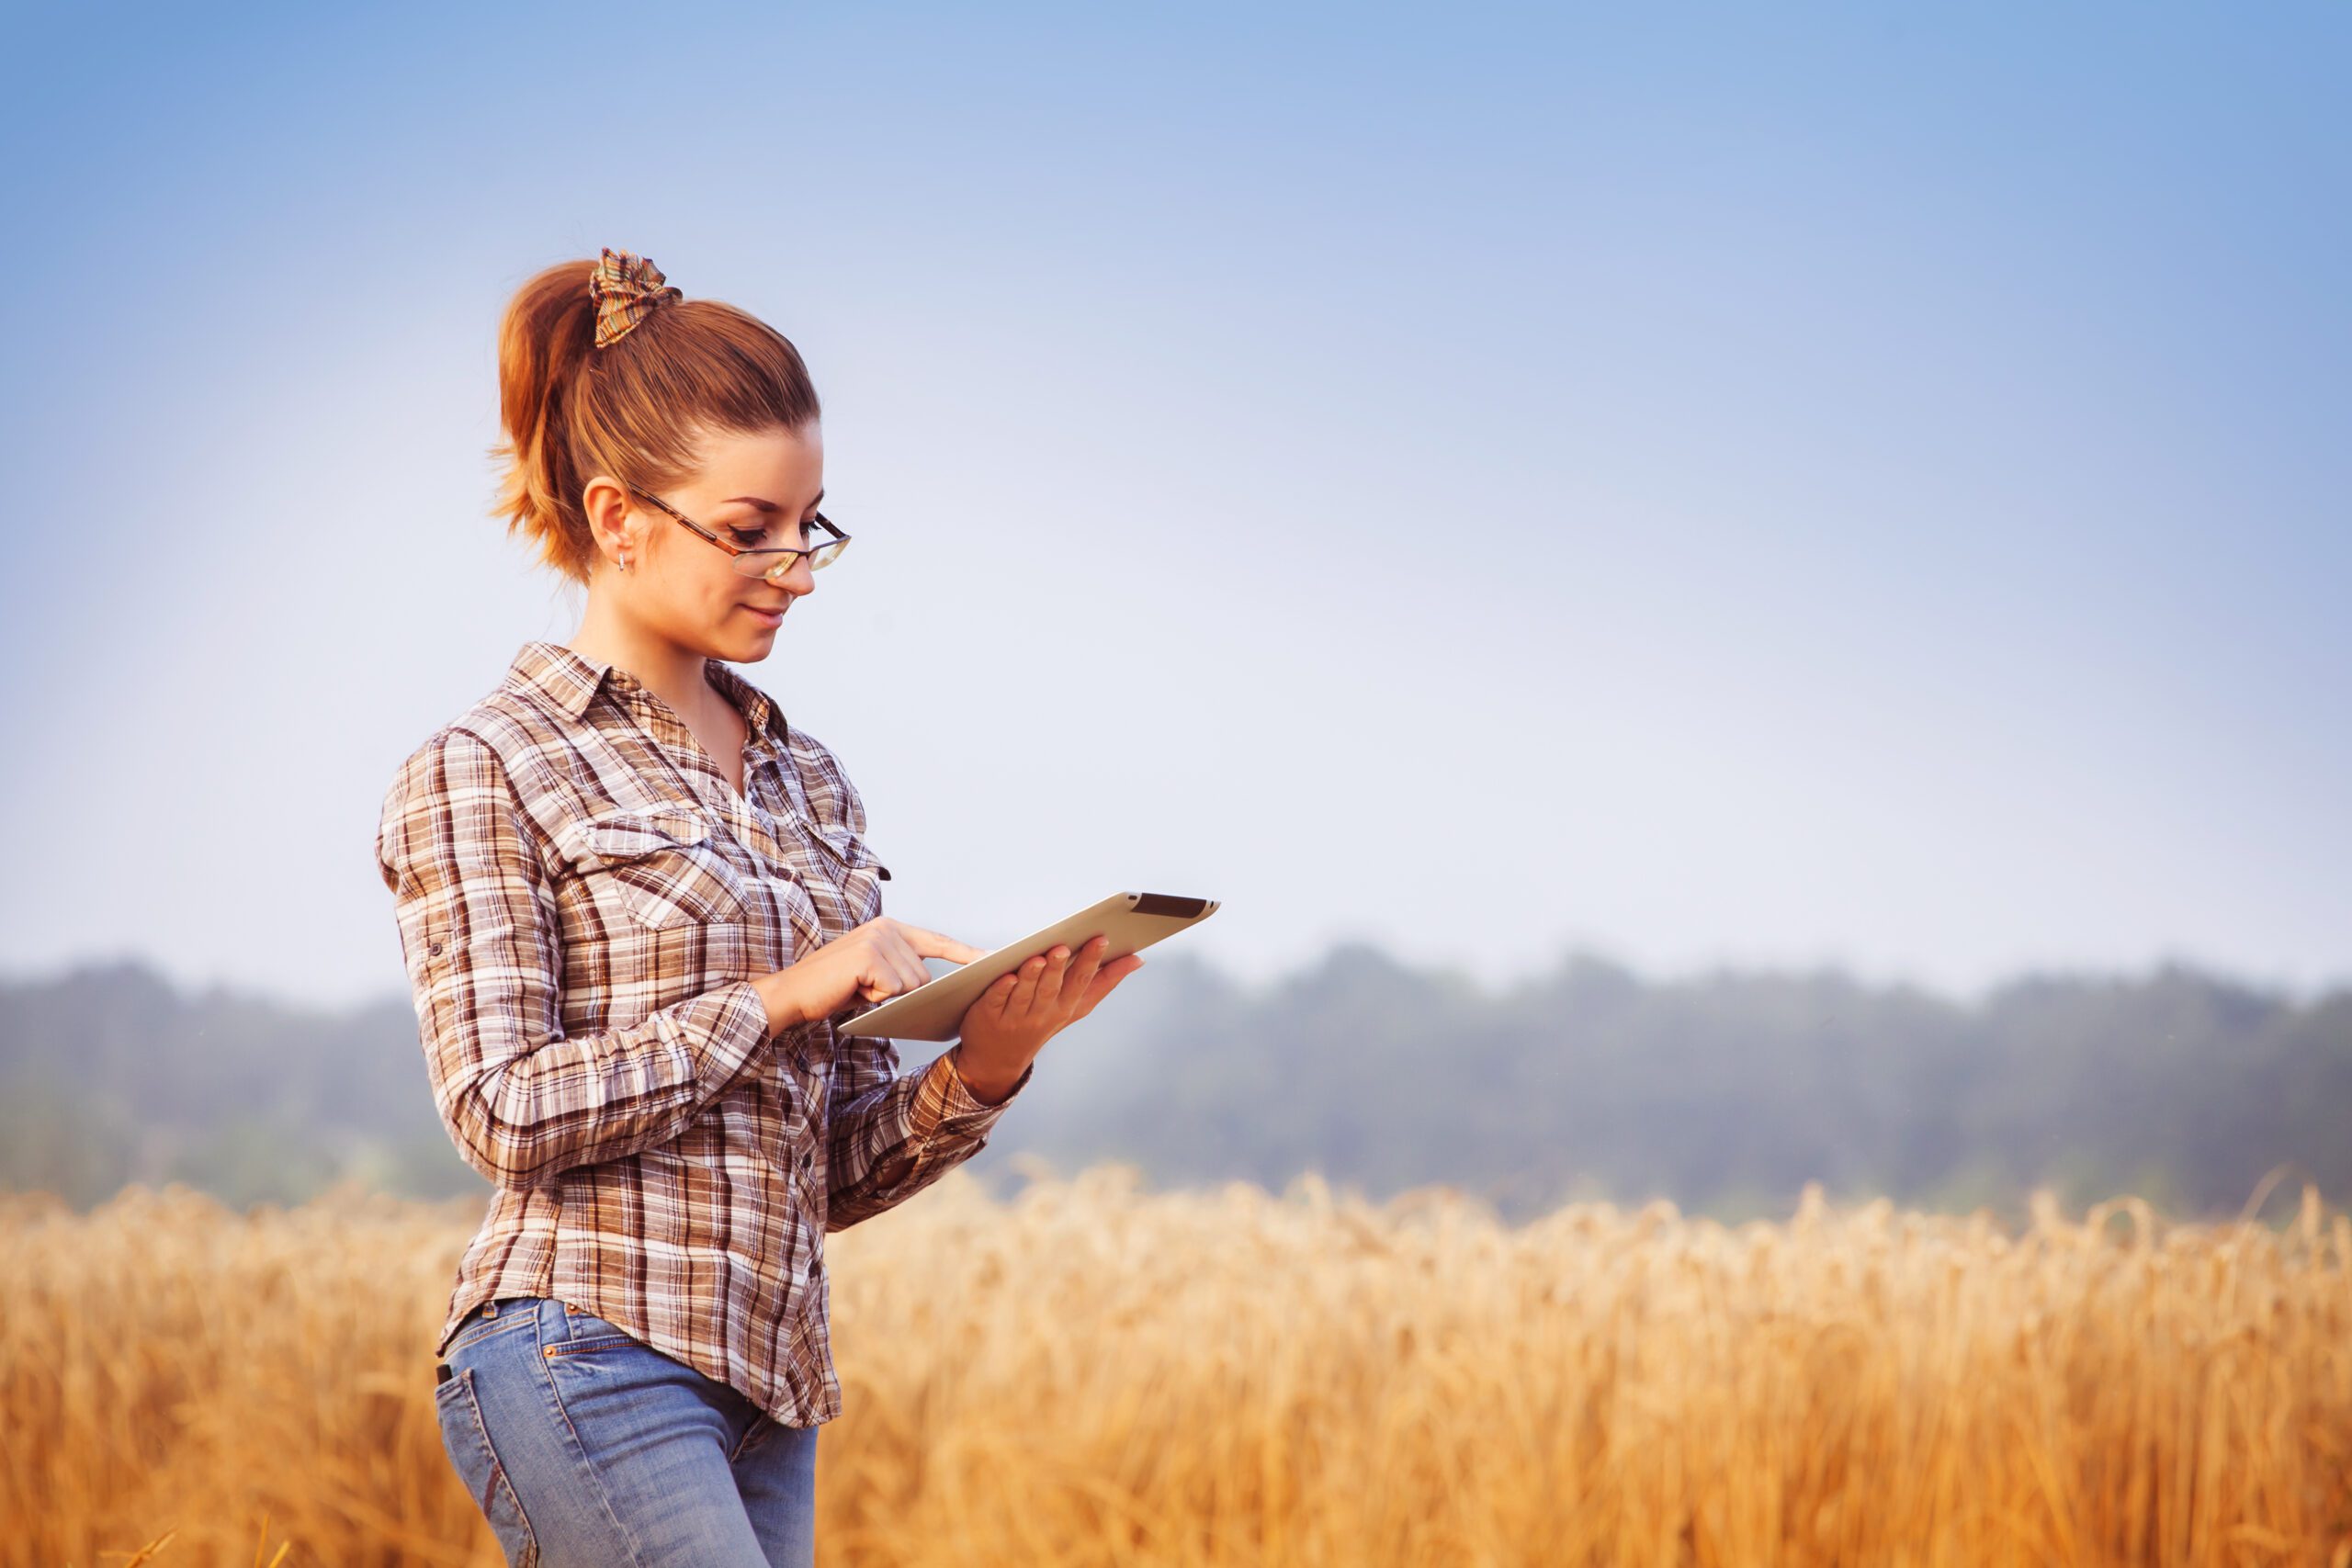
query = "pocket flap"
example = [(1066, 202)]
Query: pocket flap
[(849, 849), (626, 836)]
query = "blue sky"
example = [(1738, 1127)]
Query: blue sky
[(1777, 485)]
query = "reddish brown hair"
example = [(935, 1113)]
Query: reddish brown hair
[(636, 408)]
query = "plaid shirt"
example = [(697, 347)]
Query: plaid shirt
[(581, 898)]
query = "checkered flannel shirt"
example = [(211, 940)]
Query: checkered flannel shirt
[(581, 899)]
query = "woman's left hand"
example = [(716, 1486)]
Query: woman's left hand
[(1006, 1029)]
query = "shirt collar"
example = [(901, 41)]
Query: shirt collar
[(571, 681), (765, 718), (567, 679)]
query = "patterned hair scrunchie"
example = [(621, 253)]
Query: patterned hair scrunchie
[(627, 289)]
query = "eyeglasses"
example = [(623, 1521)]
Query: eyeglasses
[(760, 562)]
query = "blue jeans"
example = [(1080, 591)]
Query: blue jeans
[(608, 1454)]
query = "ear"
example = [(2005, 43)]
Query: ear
[(606, 502)]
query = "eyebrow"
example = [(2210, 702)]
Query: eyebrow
[(764, 505)]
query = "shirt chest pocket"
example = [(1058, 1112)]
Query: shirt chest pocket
[(847, 852), (663, 865), (853, 868)]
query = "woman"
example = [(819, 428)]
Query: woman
[(633, 902)]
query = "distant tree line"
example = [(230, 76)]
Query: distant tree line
[(1726, 1093)]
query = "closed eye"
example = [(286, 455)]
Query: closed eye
[(749, 537)]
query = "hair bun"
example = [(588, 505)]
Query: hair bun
[(627, 289)]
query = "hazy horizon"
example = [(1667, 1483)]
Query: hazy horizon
[(1258, 985)]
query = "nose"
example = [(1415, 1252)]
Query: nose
[(798, 581)]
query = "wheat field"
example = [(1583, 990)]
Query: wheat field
[(1087, 1373)]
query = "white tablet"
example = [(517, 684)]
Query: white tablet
[(1132, 922)]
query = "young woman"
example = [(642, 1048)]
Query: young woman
[(634, 902)]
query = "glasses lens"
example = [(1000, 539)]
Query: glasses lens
[(778, 563)]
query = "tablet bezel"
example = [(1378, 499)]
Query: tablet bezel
[(935, 1010)]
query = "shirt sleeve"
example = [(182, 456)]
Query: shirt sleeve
[(478, 923), (888, 1136)]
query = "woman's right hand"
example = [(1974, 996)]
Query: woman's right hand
[(873, 963)]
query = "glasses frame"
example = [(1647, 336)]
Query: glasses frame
[(785, 552)]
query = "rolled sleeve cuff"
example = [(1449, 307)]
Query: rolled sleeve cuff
[(948, 1106)]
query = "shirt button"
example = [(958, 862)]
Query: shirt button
[(433, 947), (804, 1160)]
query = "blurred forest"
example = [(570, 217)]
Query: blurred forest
[(1726, 1093)]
